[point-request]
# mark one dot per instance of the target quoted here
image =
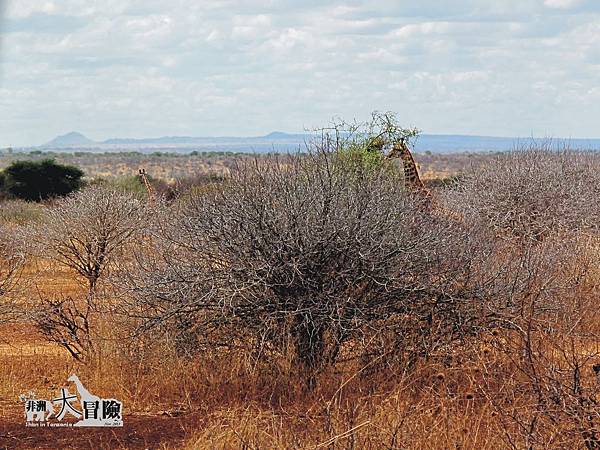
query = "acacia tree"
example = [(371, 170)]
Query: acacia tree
[(40, 180)]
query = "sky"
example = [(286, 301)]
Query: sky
[(148, 68)]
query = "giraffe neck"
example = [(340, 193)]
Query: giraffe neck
[(147, 184), (412, 180)]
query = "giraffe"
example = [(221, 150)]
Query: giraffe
[(412, 180), (147, 184), (413, 183)]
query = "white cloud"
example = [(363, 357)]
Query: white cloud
[(149, 67), (26, 8), (563, 4)]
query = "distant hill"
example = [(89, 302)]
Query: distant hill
[(69, 140), (285, 136), (271, 137), (281, 142)]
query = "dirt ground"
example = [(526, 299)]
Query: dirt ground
[(138, 432)]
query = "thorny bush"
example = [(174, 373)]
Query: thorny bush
[(308, 253)]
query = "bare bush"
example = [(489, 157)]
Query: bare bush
[(544, 385), (12, 261), (19, 212), (86, 233), (531, 193), (545, 205), (303, 252)]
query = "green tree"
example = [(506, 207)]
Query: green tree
[(39, 180), (363, 146)]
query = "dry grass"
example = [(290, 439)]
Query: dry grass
[(431, 407), (465, 404), (469, 401), (468, 406)]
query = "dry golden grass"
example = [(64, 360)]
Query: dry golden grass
[(466, 403), (430, 407)]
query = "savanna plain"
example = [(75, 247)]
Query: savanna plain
[(320, 300)]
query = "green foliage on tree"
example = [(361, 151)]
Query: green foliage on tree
[(363, 146), (40, 180)]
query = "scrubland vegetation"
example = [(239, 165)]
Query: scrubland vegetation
[(167, 167), (313, 301)]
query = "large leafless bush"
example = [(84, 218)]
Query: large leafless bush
[(303, 252), (531, 193), (544, 205)]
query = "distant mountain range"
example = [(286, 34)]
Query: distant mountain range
[(75, 139), (285, 142)]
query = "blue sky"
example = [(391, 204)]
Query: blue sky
[(140, 68)]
